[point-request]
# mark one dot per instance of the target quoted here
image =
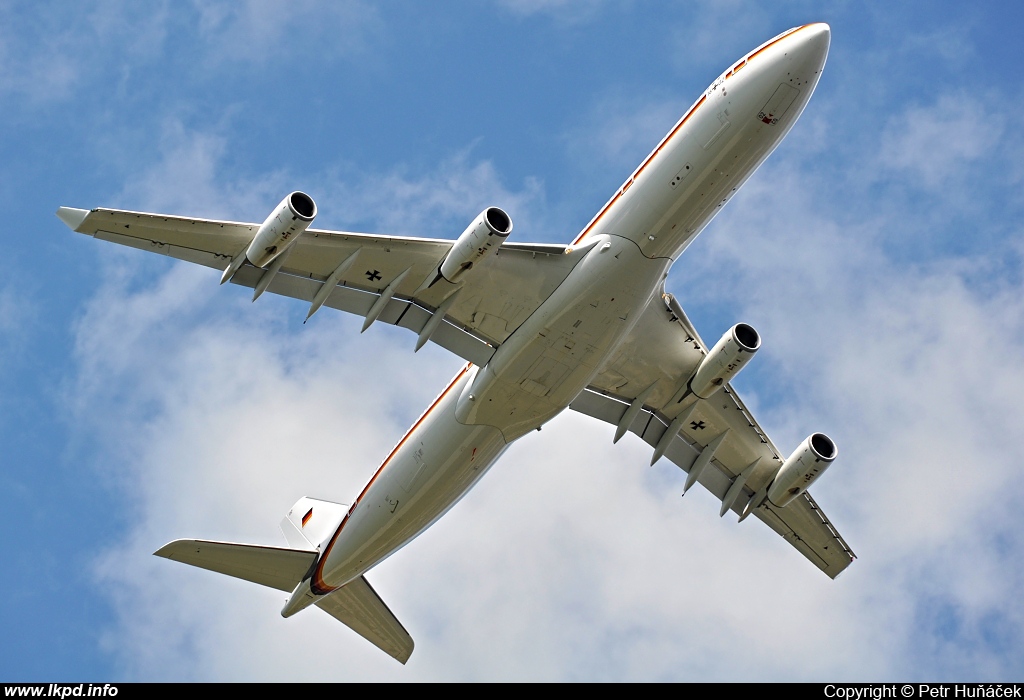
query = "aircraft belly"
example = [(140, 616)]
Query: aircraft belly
[(435, 465), (531, 378), (553, 356)]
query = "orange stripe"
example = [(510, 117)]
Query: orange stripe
[(413, 428), (682, 121), (754, 55), (596, 218), (317, 584), (672, 133), (775, 41), (643, 165)]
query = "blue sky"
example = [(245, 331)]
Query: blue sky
[(878, 251)]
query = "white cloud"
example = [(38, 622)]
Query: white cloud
[(18, 319), (187, 180), (936, 143), (917, 374), (41, 74), (438, 204), (622, 129), (53, 52), (570, 11), (50, 51), (257, 30), (10, 311), (441, 203), (715, 26), (201, 409), (571, 559), (952, 42)]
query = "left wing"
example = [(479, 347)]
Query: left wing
[(638, 390), (502, 292)]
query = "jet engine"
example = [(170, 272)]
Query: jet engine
[(281, 229), (725, 360), (483, 237), (803, 467)]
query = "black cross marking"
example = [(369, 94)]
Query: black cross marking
[(373, 276), (697, 425)]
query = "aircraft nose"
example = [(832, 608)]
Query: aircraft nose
[(814, 40)]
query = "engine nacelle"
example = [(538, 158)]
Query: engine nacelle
[(725, 360), (281, 229), (483, 237), (803, 467)]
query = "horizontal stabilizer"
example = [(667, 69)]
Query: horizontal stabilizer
[(359, 607), (275, 567)]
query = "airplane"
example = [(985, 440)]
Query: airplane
[(586, 326)]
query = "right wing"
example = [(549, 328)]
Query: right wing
[(501, 293), (662, 352)]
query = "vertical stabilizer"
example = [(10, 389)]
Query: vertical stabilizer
[(311, 521)]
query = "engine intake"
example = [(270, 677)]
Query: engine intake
[(802, 469), (281, 229), (725, 360), (483, 237)]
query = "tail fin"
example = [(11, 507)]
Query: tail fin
[(311, 521), (355, 604)]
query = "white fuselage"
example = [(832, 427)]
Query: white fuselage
[(537, 372)]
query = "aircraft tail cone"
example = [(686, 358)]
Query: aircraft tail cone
[(302, 597)]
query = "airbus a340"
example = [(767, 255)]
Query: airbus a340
[(586, 326)]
